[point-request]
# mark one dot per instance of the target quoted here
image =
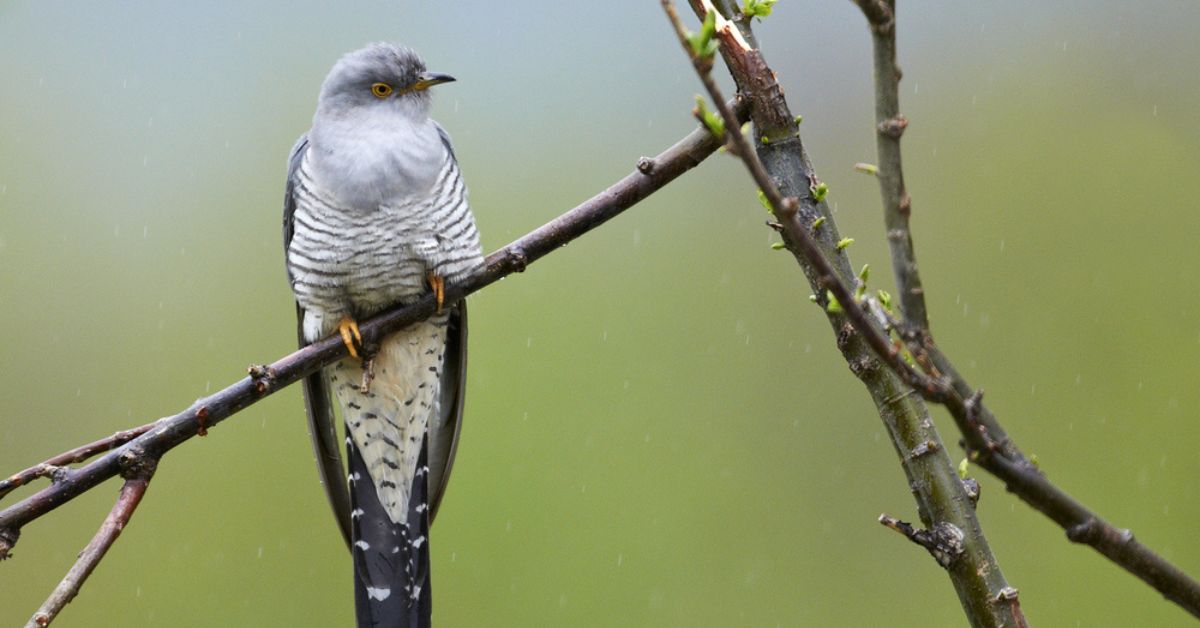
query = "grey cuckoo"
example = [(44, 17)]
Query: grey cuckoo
[(375, 214)]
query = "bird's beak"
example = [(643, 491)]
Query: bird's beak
[(425, 80)]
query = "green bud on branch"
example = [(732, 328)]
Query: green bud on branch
[(863, 275), (758, 8), (831, 303), (762, 198), (819, 191), (885, 299), (703, 45), (713, 121), (870, 169)]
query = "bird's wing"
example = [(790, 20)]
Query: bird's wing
[(317, 405), (446, 426), (446, 141)]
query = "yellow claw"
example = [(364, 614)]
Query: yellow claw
[(348, 328), (439, 289)]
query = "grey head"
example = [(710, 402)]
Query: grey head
[(372, 141)]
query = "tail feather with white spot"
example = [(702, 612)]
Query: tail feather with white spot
[(391, 560)]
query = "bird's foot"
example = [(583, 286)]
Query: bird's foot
[(348, 329), (439, 289)]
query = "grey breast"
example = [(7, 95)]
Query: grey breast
[(352, 261)]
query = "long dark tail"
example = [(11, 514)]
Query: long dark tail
[(391, 561)]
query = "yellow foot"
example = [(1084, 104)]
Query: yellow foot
[(439, 289), (348, 328)]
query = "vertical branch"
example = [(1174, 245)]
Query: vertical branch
[(986, 440), (131, 495), (778, 165), (889, 127)]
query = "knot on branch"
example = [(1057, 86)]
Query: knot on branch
[(944, 542), (135, 464), (262, 376), (845, 333), (1007, 594), (8, 538), (645, 165), (972, 488), (201, 421), (791, 206), (56, 474), (924, 449), (894, 127), (517, 259), (863, 365)]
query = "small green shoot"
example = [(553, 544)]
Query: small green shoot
[(703, 45), (885, 299), (863, 275), (713, 121), (819, 191), (963, 467), (762, 198), (816, 224), (778, 246), (843, 243), (758, 8), (870, 169), (831, 303)]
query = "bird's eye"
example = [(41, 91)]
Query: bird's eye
[(381, 90)]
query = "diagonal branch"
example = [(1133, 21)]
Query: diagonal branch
[(809, 232), (986, 441), (650, 175)]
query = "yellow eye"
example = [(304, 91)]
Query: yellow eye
[(381, 90)]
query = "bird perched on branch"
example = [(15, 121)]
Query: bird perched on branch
[(375, 214)]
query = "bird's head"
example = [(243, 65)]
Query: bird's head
[(379, 77)]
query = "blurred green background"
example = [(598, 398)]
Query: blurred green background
[(632, 455)]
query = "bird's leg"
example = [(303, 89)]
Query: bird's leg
[(348, 329), (439, 289), (368, 370)]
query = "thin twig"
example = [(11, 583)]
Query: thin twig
[(889, 127), (650, 175), (52, 465), (944, 505), (985, 439), (131, 495)]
